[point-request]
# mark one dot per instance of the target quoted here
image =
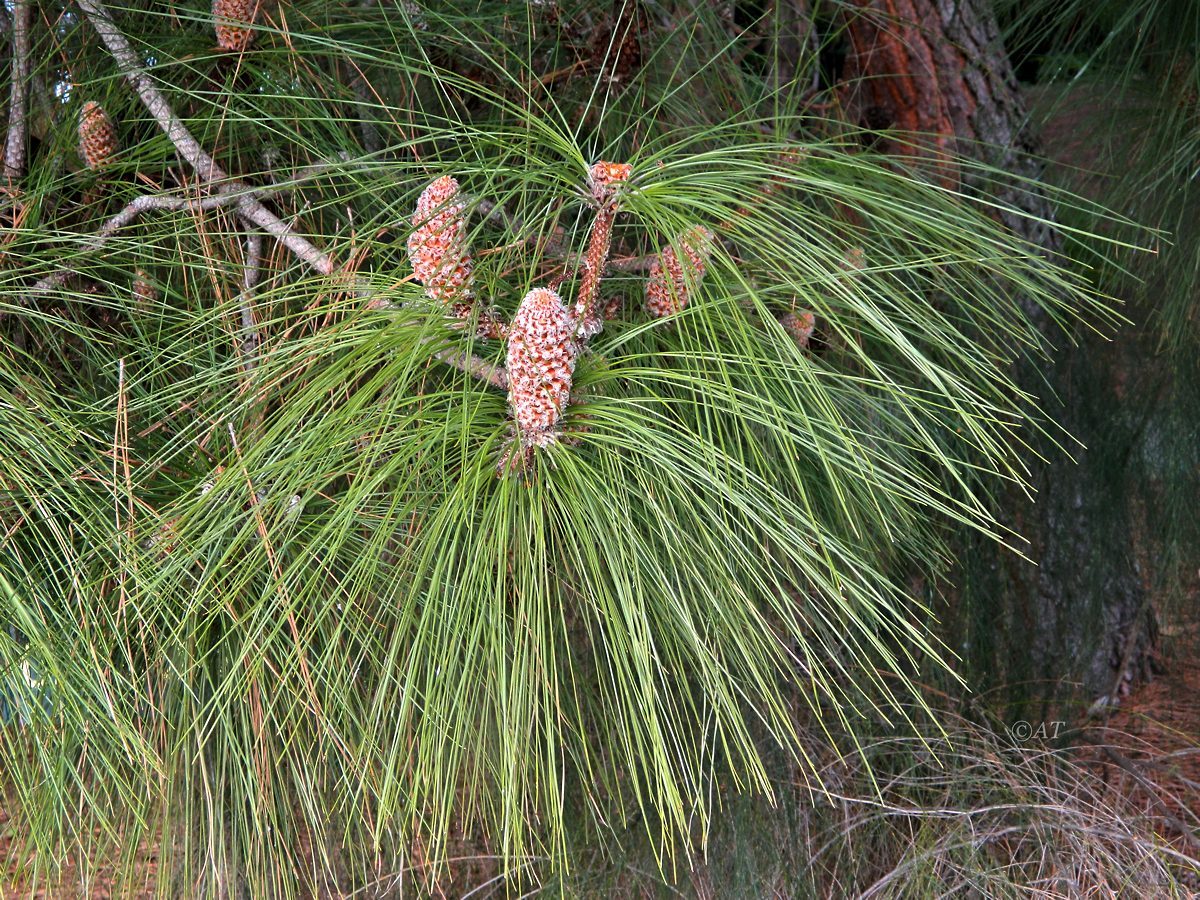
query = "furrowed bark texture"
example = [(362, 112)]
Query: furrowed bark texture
[(938, 69), (18, 102)]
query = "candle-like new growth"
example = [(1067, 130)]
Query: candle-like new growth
[(604, 180), (437, 247), (233, 21), (97, 136), (668, 289), (541, 362)]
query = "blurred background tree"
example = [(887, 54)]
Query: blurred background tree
[(322, 575)]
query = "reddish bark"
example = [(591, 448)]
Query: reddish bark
[(936, 70)]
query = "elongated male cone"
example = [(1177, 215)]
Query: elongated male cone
[(437, 247), (668, 290), (541, 362), (97, 136), (233, 21)]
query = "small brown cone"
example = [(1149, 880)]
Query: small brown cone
[(668, 290), (853, 260), (541, 363), (233, 21), (437, 247), (97, 136), (145, 294), (800, 324)]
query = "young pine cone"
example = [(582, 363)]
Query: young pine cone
[(671, 279), (97, 136), (437, 247), (233, 20), (541, 361), (145, 294), (800, 325)]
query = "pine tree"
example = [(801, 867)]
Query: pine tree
[(747, 361)]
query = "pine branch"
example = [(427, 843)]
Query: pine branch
[(251, 340), (633, 263), (18, 103), (299, 176), (249, 207), (493, 374)]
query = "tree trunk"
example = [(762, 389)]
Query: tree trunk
[(937, 70)]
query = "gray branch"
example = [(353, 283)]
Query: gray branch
[(250, 274), (633, 263), (493, 374), (18, 102), (286, 185)]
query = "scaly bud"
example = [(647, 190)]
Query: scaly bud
[(603, 179), (671, 281)]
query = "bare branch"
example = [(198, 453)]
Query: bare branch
[(301, 175), (128, 215), (493, 374), (18, 103), (633, 263), (250, 274), (249, 207)]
